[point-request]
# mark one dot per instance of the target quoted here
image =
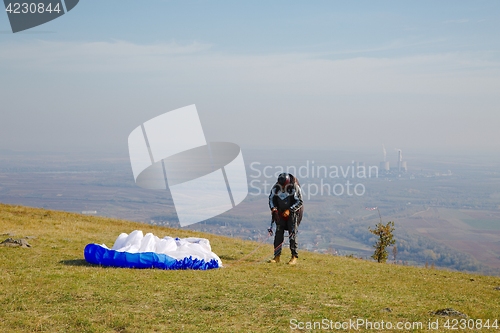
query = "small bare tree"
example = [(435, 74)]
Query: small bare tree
[(394, 252)]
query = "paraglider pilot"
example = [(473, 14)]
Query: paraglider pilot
[(285, 202)]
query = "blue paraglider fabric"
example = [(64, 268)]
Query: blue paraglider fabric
[(99, 255)]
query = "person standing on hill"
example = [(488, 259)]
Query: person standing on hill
[(287, 207)]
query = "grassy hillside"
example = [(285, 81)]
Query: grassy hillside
[(50, 288)]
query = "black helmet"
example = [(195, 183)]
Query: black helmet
[(284, 179)]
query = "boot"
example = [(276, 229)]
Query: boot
[(293, 261), (275, 260)]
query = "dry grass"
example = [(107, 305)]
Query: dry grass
[(50, 288)]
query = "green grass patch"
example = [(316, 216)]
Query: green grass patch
[(483, 224)]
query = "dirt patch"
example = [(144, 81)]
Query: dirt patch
[(11, 242), (449, 312)]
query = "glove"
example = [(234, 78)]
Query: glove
[(275, 215), (270, 231), (285, 214)]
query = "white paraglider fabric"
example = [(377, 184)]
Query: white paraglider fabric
[(135, 250)]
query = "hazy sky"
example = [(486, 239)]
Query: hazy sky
[(318, 74)]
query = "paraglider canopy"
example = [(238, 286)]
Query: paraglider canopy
[(135, 250)]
